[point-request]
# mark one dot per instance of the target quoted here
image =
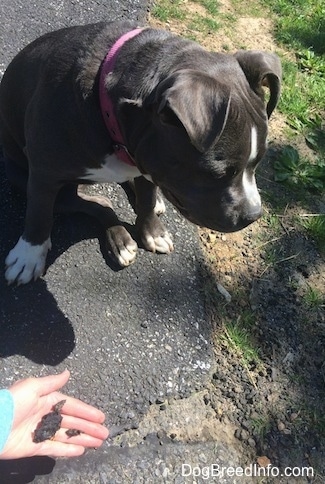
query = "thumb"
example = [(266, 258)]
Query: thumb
[(48, 384)]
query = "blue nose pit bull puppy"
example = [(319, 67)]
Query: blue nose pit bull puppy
[(143, 108)]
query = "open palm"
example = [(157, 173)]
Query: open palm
[(34, 398)]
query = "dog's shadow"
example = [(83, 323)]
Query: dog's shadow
[(71, 228), (33, 326), (31, 323)]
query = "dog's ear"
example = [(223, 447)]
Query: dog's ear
[(197, 102), (262, 69)]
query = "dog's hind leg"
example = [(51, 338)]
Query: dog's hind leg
[(120, 245)]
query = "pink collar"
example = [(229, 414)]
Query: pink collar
[(106, 104)]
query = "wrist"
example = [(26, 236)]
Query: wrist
[(6, 417)]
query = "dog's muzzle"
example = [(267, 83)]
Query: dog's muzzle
[(226, 210)]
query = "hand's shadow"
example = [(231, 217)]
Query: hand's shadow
[(22, 471)]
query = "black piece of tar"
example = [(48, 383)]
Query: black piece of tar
[(49, 424), (72, 432)]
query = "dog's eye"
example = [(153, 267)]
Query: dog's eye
[(231, 172)]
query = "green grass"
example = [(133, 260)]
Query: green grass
[(164, 10), (211, 6), (300, 24), (300, 27), (253, 8), (299, 172), (315, 226), (261, 426), (204, 25), (303, 96), (313, 297), (238, 336)]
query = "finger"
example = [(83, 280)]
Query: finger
[(82, 439), (76, 408), (91, 428), (60, 449)]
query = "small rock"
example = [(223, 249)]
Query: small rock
[(281, 426), (255, 416), (251, 442), (246, 424), (165, 473), (263, 461), (203, 458), (224, 292), (238, 389), (241, 434), (244, 435)]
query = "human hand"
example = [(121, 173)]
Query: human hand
[(34, 398)]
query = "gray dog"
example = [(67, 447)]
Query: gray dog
[(110, 102)]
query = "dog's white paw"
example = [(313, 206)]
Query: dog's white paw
[(121, 245), (162, 243), (128, 254), (26, 261)]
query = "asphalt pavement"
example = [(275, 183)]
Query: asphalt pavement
[(137, 341)]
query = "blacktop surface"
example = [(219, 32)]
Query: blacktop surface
[(137, 341)]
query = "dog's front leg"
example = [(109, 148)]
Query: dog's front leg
[(129, 188), (26, 261), (152, 232), (120, 245)]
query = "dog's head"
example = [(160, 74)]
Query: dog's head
[(209, 134)]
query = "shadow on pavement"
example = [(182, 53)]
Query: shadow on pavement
[(22, 471), (31, 322)]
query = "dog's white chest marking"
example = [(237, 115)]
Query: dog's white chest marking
[(253, 152), (112, 170), (26, 261)]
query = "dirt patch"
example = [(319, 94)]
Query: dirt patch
[(247, 32), (188, 420), (260, 282)]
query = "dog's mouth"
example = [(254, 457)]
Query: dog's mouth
[(232, 224), (185, 212), (177, 204)]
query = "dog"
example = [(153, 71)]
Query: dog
[(142, 107)]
